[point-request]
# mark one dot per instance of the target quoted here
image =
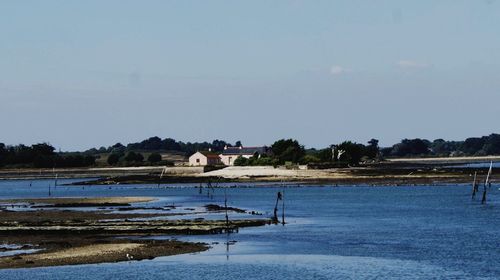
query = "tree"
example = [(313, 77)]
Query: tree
[(472, 145), (134, 157), (238, 144), (373, 150), (325, 155), (117, 148), (89, 160), (3, 154), (288, 150), (491, 145), (43, 149), (241, 161), (411, 147), (352, 152), (113, 159), (154, 158), (218, 145), (311, 159)]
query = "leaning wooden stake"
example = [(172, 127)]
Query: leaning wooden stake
[(486, 183), (474, 186), (483, 201), (161, 175)]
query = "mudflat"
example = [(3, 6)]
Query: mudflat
[(65, 237)]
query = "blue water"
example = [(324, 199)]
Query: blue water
[(496, 164), (426, 232)]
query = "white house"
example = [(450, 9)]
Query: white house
[(204, 158), (230, 154)]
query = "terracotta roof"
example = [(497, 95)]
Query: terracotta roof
[(209, 154)]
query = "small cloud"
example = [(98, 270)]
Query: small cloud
[(339, 70), (412, 64)]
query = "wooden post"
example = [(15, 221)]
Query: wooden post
[(474, 185), (161, 175), (486, 183), (483, 201), (275, 218), (283, 208)]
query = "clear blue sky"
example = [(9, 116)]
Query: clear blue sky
[(80, 74)]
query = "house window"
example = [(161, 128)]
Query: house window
[(197, 160)]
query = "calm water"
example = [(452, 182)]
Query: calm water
[(496, 164), (332, 233)]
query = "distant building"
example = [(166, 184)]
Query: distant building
[(204, 158), (230, 154)]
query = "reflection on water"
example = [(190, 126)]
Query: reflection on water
[(332, 233)]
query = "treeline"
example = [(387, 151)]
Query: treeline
[(168, 144), (133, 154), (135, 159), (284, 151), (41, 156), (474, 146)]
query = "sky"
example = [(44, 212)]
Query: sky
[(82, 74)]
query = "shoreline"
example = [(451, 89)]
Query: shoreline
[(418, 171), (384, 176)]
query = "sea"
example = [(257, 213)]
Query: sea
[(330, 232)]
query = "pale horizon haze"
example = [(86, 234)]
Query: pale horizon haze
[(83, 74)]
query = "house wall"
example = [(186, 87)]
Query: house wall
[(229, 159), (198, 159)]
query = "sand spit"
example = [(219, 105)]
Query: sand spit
[(68, 251), (360, 175)]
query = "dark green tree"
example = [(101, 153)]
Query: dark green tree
[(134, 157), (351, 152), (372, 150), (411, 147), (241, 161), (113, 159), (154, 158), (288, 150)]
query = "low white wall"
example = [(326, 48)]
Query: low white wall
[(184, 170)]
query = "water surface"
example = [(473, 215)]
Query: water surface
[(426, 232)]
